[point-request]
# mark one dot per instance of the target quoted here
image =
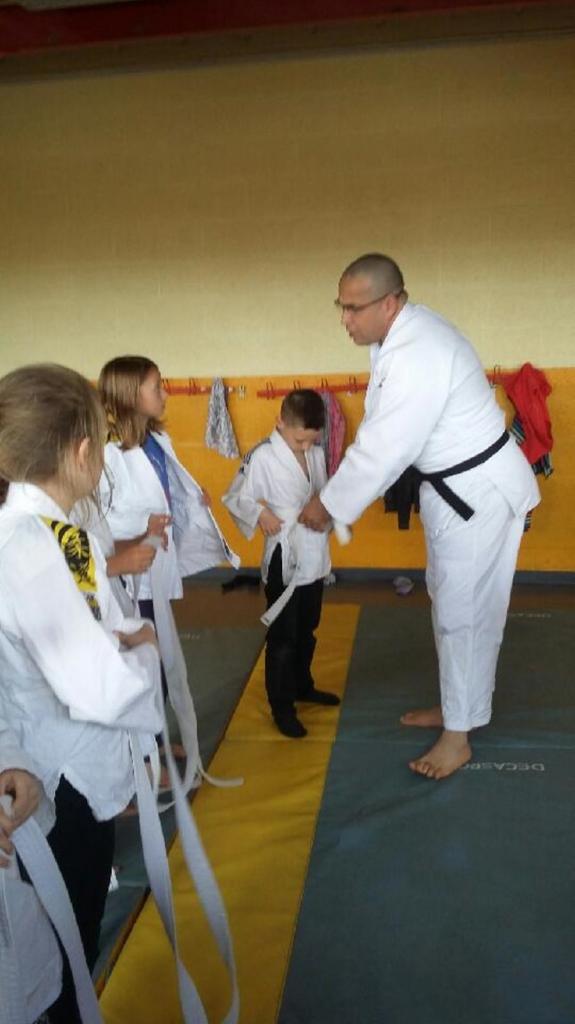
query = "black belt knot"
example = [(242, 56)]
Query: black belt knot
[(437, 480)]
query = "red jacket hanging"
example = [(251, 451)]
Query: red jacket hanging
[(528, 388)]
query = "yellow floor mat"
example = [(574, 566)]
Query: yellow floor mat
[(258, 838)]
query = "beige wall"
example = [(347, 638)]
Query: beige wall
[(202, 216)]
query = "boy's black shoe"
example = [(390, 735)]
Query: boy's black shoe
[(314, 696), (289, 724)]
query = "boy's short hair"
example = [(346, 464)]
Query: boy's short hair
[(303, 408)]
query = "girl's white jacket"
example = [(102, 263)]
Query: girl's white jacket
[(130, 492), (68, 694)]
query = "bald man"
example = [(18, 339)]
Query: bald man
[(429, 405)]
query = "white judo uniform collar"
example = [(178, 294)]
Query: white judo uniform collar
[(294, 538), (221, 550), (45, 874)]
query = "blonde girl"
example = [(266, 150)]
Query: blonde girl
[(146, 492), (75, 673)]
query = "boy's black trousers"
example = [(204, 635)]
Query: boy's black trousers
[(290, 639)]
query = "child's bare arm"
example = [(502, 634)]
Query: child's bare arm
[(130, 559), (157, 526), (145, 635)]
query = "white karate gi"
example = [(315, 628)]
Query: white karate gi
[(130, 491), (68, 695), (86, 515), (13, 756), (428, 404), (272, 476)]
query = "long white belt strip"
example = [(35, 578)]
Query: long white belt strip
[(199, 870), (178, 690), (50, 888), (45, 876), (343, 535), (289, 516)]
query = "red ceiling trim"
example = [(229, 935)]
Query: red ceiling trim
[(26, 32)]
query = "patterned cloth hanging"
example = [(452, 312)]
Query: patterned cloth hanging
[(543, 465), (333, 435), (219, 430)]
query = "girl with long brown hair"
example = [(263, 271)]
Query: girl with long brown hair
[(146, 489)]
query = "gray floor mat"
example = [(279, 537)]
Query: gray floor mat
[(451, 902)]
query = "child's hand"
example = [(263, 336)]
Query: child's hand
[(25, 790), (269, 523), (157, 525), (131, 561), (206, 499), (145, 635)]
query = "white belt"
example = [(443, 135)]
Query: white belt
[(44, 874), (293, 536), (178, 690), (289, 517), (49, 885), (199, 871)]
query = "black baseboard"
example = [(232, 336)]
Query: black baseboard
[(523, 576)]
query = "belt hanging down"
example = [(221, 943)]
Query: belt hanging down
[(437, 480)]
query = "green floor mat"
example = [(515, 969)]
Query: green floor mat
[(451, 902)]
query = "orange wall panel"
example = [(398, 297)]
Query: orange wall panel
[(377, 542)]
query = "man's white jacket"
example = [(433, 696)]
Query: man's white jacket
[(428, 404)]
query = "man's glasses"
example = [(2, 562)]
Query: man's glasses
[(352, 307)]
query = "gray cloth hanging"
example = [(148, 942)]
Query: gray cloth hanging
[(219, 430)]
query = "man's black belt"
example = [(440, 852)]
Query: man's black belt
[(437, 480)]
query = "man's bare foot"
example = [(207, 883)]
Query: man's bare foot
[(451, 752), (424, 717)]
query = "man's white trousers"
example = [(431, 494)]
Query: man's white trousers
[(470, 569)]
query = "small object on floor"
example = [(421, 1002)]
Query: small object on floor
[(320, 697), (403, 585), (329, 580), (242, 579), (290, 725), (114, 883)]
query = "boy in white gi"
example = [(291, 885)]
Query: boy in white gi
[(276, 480), (429, 405)]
